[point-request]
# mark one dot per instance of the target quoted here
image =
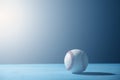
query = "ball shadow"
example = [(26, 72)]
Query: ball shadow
[(95, 73)]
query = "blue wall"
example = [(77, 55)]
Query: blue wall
[(55, 26)]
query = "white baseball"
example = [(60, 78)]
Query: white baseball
[(76, 61)]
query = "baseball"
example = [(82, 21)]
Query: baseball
[(76, 61)]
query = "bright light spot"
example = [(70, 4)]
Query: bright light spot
[(11, 20), (7, 16)]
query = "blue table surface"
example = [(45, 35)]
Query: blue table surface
[(58, 72)]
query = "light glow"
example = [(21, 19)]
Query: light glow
[(11, 18)]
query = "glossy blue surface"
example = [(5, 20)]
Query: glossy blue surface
[(58, 72)]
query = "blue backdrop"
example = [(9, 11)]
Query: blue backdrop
[(52, 27)]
